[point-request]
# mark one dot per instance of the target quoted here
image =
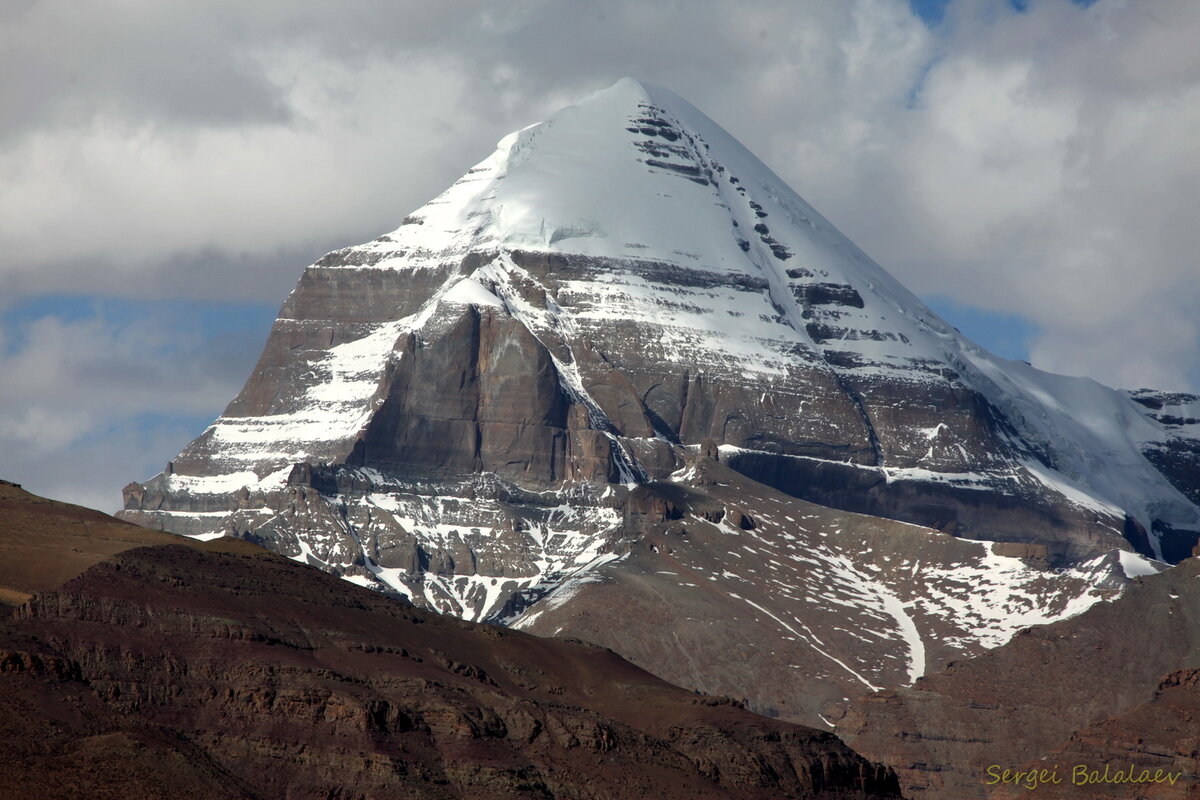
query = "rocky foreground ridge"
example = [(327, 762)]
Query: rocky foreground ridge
[(620, 379), (219, 670), (1116, 686)]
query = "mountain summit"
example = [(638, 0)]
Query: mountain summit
[(620, 351)]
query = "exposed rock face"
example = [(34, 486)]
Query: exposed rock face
[(468, 411), (1177, 451), (1047, 697), (170, 672)]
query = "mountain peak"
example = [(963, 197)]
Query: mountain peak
[(627, 91), (528, 385), (630, 172)]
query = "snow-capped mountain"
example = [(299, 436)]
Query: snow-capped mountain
[(621, 353)]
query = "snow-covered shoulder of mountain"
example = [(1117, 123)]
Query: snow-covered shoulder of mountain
[(1094, 436)]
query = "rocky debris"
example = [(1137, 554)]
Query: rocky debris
[(1087, 688), (171, 672)]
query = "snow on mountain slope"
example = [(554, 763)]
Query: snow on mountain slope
[(462, 410), (798, 607)]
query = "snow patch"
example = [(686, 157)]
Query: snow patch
[(471, 292)]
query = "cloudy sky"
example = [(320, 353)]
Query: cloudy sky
[(168, 168)]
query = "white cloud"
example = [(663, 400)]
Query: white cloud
[(1048, 169)]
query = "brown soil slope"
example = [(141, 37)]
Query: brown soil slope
[(172, 672), (45, 542)]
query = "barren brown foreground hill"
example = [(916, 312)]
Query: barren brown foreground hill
[(1112, 688), (220, 670), (44, 542)]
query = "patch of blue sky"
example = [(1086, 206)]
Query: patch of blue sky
[(145, 425), (914, 93), (190, 319), (933, 12), (1006, 334)]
